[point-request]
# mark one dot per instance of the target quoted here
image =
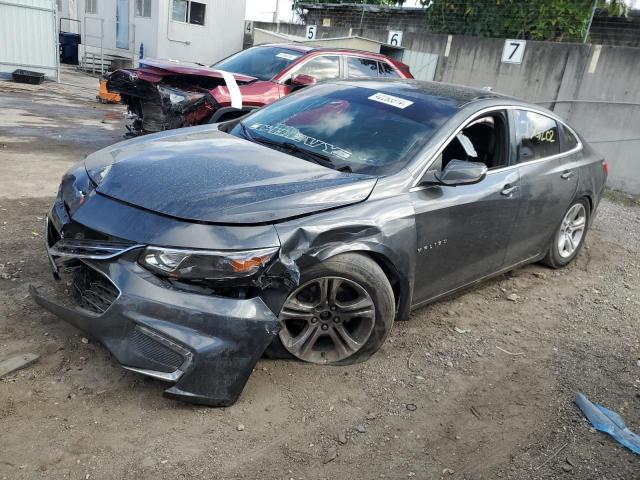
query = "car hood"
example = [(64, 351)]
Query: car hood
[(174, 67), (205, 175)]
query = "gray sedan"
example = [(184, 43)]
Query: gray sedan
[(307, 227)]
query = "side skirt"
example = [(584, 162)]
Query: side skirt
[(466, 286)]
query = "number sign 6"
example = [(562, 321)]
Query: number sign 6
[(395, 38)]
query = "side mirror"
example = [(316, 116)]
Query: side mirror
[(302, 80), (461, 172)]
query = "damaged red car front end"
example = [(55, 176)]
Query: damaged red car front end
[(162, 95)]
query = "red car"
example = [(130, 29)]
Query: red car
[(163, 94)]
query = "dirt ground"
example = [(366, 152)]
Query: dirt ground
[(442, 399)]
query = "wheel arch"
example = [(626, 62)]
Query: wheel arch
[(399, 283), (591, 200)]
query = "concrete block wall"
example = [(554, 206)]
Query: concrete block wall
[(595, 88)]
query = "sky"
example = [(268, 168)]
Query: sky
[(262, 10)]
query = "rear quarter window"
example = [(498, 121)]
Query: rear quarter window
[(568, 140), (536, 136)]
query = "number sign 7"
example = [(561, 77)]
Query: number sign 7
[(513, 51)]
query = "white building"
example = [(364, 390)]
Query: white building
[(203, 31), (272, 11)]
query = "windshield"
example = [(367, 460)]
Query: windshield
[(260, 62), (357, 129)]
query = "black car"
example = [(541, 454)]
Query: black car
[(307, 227)]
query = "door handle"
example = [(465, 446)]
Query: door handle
[(509, 190), (567, 174)]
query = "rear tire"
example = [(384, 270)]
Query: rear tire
[(340, 314), (569, 236)]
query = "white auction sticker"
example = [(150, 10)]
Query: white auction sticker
[(286, 56), (391, 100)]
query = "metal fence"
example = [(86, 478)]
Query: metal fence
[(579, 21), (28, 36)]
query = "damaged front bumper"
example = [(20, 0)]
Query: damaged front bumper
[(206, 345), (154, 107)]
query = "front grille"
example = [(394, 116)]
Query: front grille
[(52, 233), (166, 359), (91, 290)]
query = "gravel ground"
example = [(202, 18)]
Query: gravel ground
[(442, 399)]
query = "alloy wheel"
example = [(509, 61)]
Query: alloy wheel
[(572, 230), (326, 320)]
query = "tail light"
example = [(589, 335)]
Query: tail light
[(605, 167)]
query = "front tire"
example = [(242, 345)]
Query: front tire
[(340, 314), (570, 235)]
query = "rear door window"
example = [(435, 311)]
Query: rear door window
[(324, 67), (536, 136), (361, 67), (387, 71)]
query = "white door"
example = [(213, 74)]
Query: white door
[(422, 65), (122, 24)]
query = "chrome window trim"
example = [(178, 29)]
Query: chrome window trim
[(415, 187)]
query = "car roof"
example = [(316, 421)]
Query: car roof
[(298, 47), (303, 48), (458, 94)]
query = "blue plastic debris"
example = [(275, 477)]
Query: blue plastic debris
[(609, 422)]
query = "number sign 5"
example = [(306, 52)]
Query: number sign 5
[(311, 32)]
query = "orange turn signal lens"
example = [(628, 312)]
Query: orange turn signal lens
[(249, 264)]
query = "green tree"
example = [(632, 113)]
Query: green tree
[(535, 19), (369, 2), (615, 8)]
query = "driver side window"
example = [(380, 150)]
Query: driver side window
[(321, 68), (484, 140)]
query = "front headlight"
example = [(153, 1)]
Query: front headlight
[(178, 97), (205, 264)]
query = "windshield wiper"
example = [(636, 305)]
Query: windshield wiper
[(315, 157), (245, 132)]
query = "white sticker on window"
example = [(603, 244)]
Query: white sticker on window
[(467, 145), (391, 100), (286, 56)]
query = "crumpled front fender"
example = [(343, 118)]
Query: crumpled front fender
[(383, 229)]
